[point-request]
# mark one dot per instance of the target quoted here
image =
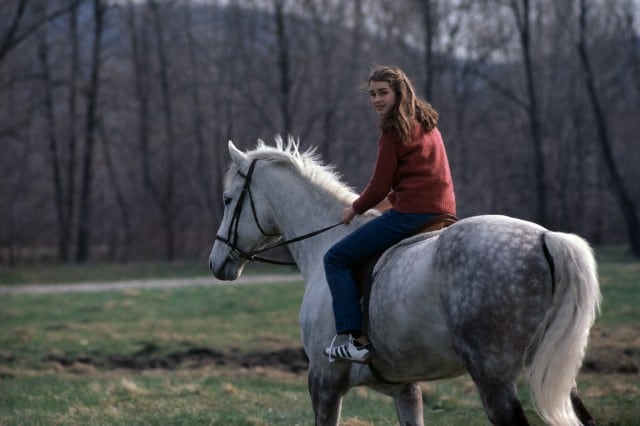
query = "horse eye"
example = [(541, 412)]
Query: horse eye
[(227, 201)]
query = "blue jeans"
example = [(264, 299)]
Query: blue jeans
[(373, 237)]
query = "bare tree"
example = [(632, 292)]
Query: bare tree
[(18, 31), (268, 81), (124, 224), (203, 169), (165, 197), (430, 29), (91, 126), (53, 145), (462, 92), (326, 19), (627, 204), (131, 131), (62, 157), (490, 43), (72, 101), (522, 13), (140, 51), (17, 151), (10, 36), (284, 66)]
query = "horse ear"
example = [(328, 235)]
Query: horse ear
[(237, 156)]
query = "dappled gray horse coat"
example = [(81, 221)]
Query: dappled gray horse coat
[(490, 295)]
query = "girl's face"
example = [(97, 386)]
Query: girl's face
[(383, 98)]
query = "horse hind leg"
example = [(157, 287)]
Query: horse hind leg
[(581, 411), (501, 403), (497, 389), (495, 377)]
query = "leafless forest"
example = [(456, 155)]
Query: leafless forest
[(115, 115)]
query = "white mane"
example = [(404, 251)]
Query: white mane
[(306, 163)]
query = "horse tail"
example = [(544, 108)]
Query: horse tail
[(561, 338)]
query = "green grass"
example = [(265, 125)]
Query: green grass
[(124, 322), (147, 399), (619, 276), (37, 332)]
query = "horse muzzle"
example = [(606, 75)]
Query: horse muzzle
[(225, 266)]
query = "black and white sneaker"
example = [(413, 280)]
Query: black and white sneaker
[(350, 351)]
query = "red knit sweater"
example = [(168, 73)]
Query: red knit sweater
[(415, 176)]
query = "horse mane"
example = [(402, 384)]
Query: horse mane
[(305, 163)]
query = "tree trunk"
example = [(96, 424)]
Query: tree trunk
[(429, 30), (141, 76), (74, 75), (84, 215), (125, 222), (167, 201), (283, 66), (521, 11), (54, 156), (203, 164)]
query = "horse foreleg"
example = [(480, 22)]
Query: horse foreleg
[(580, 409), (326, 397), (408, 400)]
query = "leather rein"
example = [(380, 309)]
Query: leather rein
[(232, 233)]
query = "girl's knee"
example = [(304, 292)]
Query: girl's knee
[(334, 259), (329, 259)]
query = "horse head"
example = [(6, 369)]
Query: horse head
[(246, 224)]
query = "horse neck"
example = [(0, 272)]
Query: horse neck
[(299, 207)]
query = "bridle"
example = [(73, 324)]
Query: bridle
[(232, 233)]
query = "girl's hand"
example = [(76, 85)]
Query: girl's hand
[(348, 214)]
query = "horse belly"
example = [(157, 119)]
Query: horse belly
[(407, 327)]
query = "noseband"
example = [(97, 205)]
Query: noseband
[(232, 233)]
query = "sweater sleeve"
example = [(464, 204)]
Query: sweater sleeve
[(392, 198), (381, 180)]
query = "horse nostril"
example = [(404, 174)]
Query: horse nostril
[(211, 266)]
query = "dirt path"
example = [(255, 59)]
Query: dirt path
[(93, 287)]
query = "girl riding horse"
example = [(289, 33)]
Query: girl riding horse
[(411, 175)]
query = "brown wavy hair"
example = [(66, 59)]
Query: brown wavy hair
[(409, 108)]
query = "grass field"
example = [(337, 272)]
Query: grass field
[(230, 355)]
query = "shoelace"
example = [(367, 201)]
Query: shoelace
[(331, 348)]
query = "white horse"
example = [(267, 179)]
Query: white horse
[(489, 295)]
